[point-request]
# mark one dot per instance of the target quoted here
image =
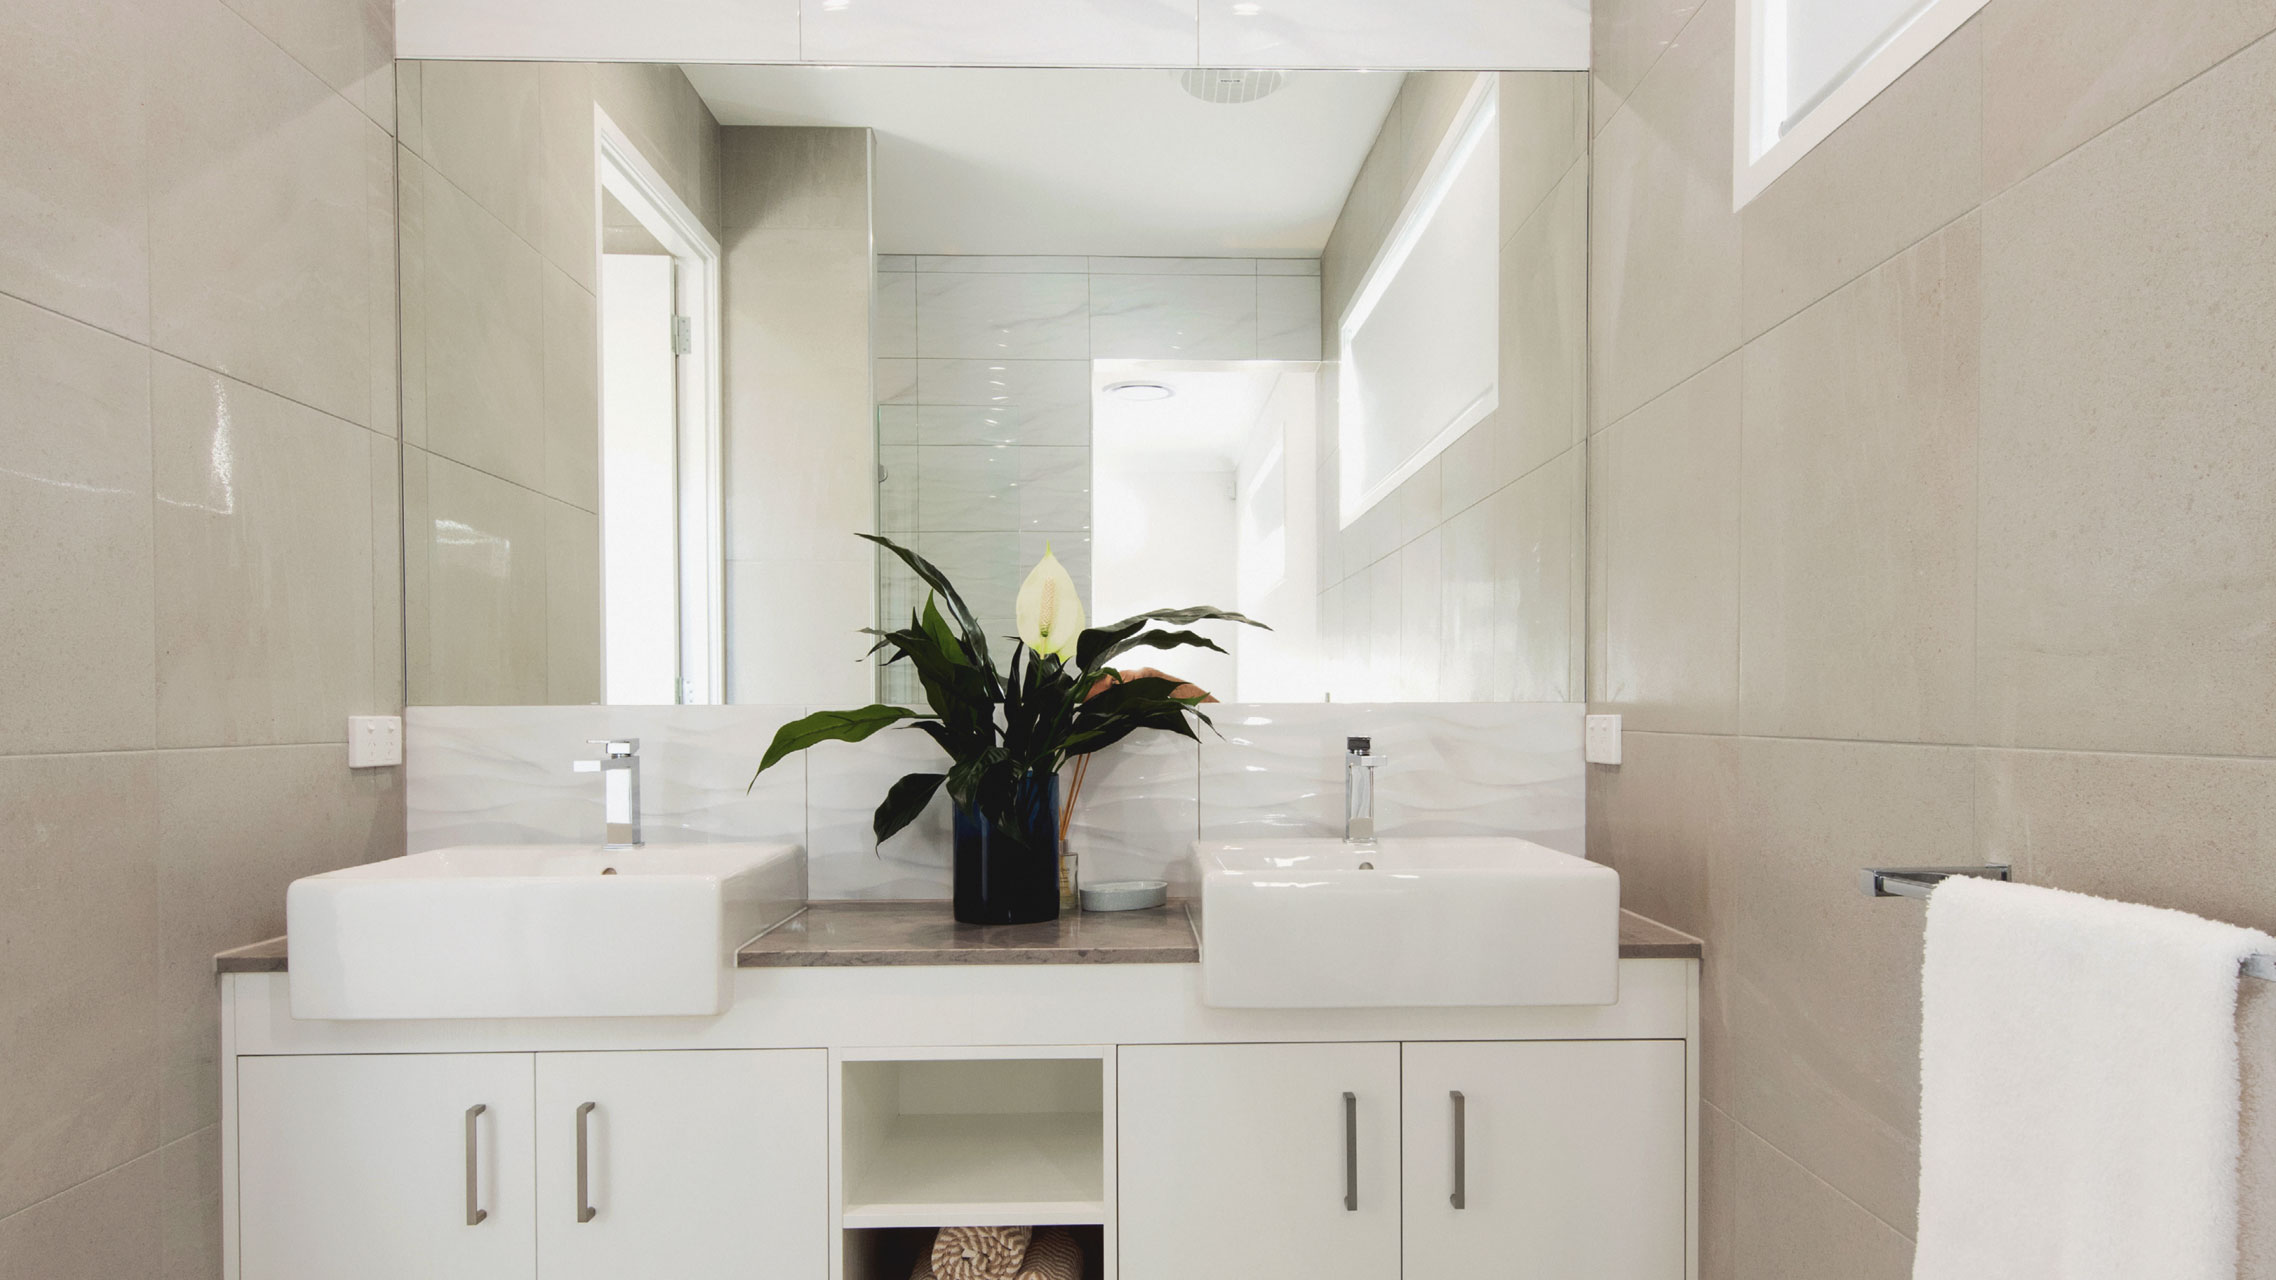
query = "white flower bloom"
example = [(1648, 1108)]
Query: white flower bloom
[(1050, 616)]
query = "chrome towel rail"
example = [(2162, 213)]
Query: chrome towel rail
[(1915, 882)]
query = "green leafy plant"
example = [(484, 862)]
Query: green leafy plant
[(1059, 698)]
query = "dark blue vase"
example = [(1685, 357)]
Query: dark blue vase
[(1007, 864)]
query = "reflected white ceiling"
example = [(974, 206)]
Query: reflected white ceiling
[(1204, 427), (983, 160)]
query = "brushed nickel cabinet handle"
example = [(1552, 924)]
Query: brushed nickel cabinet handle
[(474, 1212), (1351, 1152), (1461, 1197), (585, 1210)]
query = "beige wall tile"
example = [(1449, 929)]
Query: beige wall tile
[(2187, 832), (670, 125), (1668, 507), (382, 296), (517, 137), (1786, 1222), (1596, 520), (264, 555), (1544, 133), (1900, 168), (484, 604), (412, 176), (261, 215), (2057, 72), (189, 1231), (1627, 39), (799, 428), (350, 44), (1858, 541), (1664, 272), (102, 1229), (2129, 545), (795, 180), (1427, 104), (1466, 607), (75, 522), (1422, 585), (1538, 572), (1668, 819), (418, 549), (1822, 984), (1718, 1137), (234, 829), (387, 526), (572, 393), (79, 945), (74, 216), (478, 318), (572, 605), (1544, 358)]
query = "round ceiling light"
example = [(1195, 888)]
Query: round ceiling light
[(1140, 391), (1230, 86)]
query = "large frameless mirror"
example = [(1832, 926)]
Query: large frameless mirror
[(1305, 344)]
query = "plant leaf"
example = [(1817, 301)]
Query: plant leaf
[(1159, 640), (938, 581), (903, 802), (832, 726)]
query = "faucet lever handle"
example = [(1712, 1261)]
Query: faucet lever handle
[(616, 748)]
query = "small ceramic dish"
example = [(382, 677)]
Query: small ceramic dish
[(1125, 895)]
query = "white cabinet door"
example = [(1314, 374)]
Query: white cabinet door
[(1572, 1164), (1259, 1161), (704, 1163), (369, 1167)]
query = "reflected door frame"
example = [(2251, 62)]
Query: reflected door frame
[(621, 171)]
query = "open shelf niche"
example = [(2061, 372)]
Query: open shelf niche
[(891, 1253), (965, 1141)]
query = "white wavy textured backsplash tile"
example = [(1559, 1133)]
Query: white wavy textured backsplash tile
[(501, 775)]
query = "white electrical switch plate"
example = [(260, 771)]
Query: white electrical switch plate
[(1601, 740), (374, 742)]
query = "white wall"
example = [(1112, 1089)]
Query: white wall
[(640, 562), (1163, 540), (800, 436), (1284, 664)]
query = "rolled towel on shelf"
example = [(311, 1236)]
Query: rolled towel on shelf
[(980, 1253), (1053, 1255)]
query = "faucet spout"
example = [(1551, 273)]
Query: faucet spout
[(1359, 765), (619, 767)]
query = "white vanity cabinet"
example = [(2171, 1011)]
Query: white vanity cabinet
[(565, 1166), (818, 1128), (382, 1166), (695, 1163), (1571, 1159), (1259, 1160), (1338, 1161)]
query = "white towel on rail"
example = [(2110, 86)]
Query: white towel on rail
[(2079, 1088)]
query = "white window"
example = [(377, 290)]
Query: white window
[(1805, 66), (1421, 340)]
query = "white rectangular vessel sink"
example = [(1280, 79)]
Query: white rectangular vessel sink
[(536, 931), (1295, 923)]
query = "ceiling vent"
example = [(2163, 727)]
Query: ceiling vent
[(1227, 86)]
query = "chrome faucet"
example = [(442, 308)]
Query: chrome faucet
[(1359, 765), (619, 767)]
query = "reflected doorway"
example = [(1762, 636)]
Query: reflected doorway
[(1202, 488)]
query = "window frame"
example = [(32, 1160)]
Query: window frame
[(1758, 157)]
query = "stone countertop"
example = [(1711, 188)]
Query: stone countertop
[(855, 934)]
